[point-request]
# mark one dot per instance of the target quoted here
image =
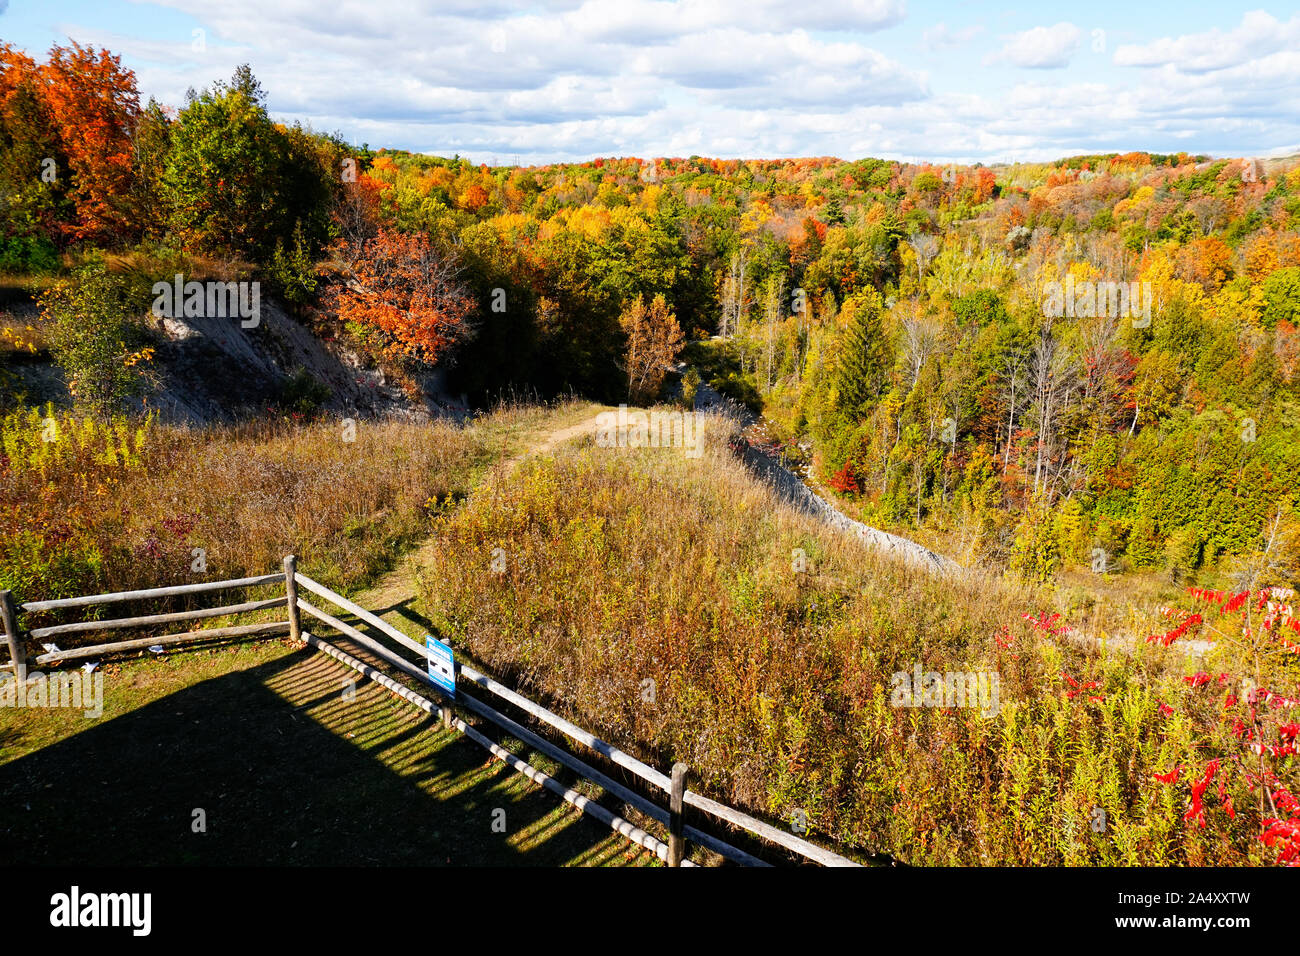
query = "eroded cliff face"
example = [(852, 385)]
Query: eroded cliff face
[(792, 489), (220, 370)]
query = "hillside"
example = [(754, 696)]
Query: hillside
[(214, 371), (676, 605)]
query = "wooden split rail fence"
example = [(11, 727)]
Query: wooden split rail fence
[(445, 708)]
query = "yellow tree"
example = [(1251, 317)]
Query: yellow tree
[(653, 341)]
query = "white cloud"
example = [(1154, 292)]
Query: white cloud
[(942, 37), (637, 20), (600, 57), (1258, 35), (1042, 48), (737, 68), (571, 80)]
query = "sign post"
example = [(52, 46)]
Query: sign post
[(442, 665)]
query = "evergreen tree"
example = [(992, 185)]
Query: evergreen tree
[(1144, 548), (864, 355), (833, 212), (1034, 555)]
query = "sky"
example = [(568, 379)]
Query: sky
[(505, 81)]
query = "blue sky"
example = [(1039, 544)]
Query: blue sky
[(731, 78)]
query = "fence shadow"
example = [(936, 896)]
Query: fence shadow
[(281, 766)]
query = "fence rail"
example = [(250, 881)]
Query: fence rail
[(674, 817), (14, 638), (206, 634), (117, 624), (174, 591)]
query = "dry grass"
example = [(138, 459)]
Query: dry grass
[(175, 505), (656, 599), (625, 567)]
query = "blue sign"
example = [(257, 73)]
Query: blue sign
[(442, 666)]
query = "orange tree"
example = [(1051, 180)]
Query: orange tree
[(653, 341), (65, 142), (94, 104), (409, 290)]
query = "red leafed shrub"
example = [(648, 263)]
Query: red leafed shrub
[(846, 480)]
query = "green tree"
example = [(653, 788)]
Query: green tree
[(291, 272), (222, 175), (93, 337), (1034, 555), (1183, 553), (1072, 532), (864, 355), (1281, 297), (833, 212), (980, 308), (1155, 388), (1144, 547), (152, 144), (237, 183)]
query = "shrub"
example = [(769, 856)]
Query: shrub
[(94, 338), (118, 505), (651, 599), (292, 274), (739, 388), (302, 394), (27, 254), (846, 481), (691, 382)]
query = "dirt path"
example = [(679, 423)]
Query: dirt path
[(393, 597)]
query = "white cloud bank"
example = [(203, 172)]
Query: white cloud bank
[(572, 80)]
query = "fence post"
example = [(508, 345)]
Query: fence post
[(291, 593), (676, 822), (16, 649)]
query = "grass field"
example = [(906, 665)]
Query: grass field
[(89, 507), (258, 735)]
